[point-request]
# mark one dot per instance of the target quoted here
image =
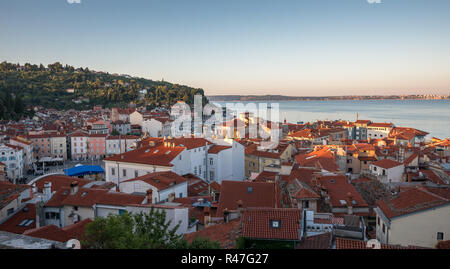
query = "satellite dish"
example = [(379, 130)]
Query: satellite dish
[(373, 244), (73, 244)]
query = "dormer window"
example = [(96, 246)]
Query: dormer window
[(275, 224)]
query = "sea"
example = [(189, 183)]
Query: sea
[(432, 116)]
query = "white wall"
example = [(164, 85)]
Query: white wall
[(416, 229), (173, 214)]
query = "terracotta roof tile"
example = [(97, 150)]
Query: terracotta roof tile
[(257, 223)]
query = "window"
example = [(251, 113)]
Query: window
[(275, 224), (384, 228), (113, 171), (136, 173), (124, 172), (211, 175), (10, 211), (378, 220), (305, 204), (211, 161), (440, 236)]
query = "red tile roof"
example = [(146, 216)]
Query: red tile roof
[(322, 158), (59, 182), (160, 180), (151, 155), (414, 200), (50, 232), (387, 163), (339, 189), (251, 194), (90, 197), (381, 125), (320, 241), (343, 243), (12, 224), (226, 233), (256, 223), (216, 149)]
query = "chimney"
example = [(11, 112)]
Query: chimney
[(239, 203), (207, 216), (73, 187), (349, 203), (47, 191), (149, 196), (226, 215), (171, 197)]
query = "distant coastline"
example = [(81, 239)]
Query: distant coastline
[(255, 98)]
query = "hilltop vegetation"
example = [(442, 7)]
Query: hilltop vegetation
[(65, 87)]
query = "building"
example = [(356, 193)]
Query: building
[(379, 130), (12, 197), (164, 186), (96, 146), (157, 127), (79, 146), (278, 227), (121, 127), (342, 197), (120, 144), (418, 216), (28, 150), (236, 195), (74, 204), (175, 214), (225, 160), (12, 157), (180, 155), (51, 144), (387, 171)]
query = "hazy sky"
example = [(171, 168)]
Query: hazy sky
[(290, 47)]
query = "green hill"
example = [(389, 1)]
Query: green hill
[(65, 87)]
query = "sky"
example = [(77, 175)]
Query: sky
[(246, 47)]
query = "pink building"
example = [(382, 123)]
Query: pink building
[(97, 146)]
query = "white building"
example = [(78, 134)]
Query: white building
[(122, 127), (136, 118), (27, 146), (163, 186), (379, 130), (180, 155), (416, 217), (175, 213), (12, 157), (157, 127), (387, 171), (122, 144), (226, 161)]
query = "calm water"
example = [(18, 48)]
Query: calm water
[(432, 116)]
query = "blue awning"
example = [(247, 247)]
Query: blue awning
[(83, 170)]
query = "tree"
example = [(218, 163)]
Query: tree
[(203, 243), (138, 231), (18, 105)]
